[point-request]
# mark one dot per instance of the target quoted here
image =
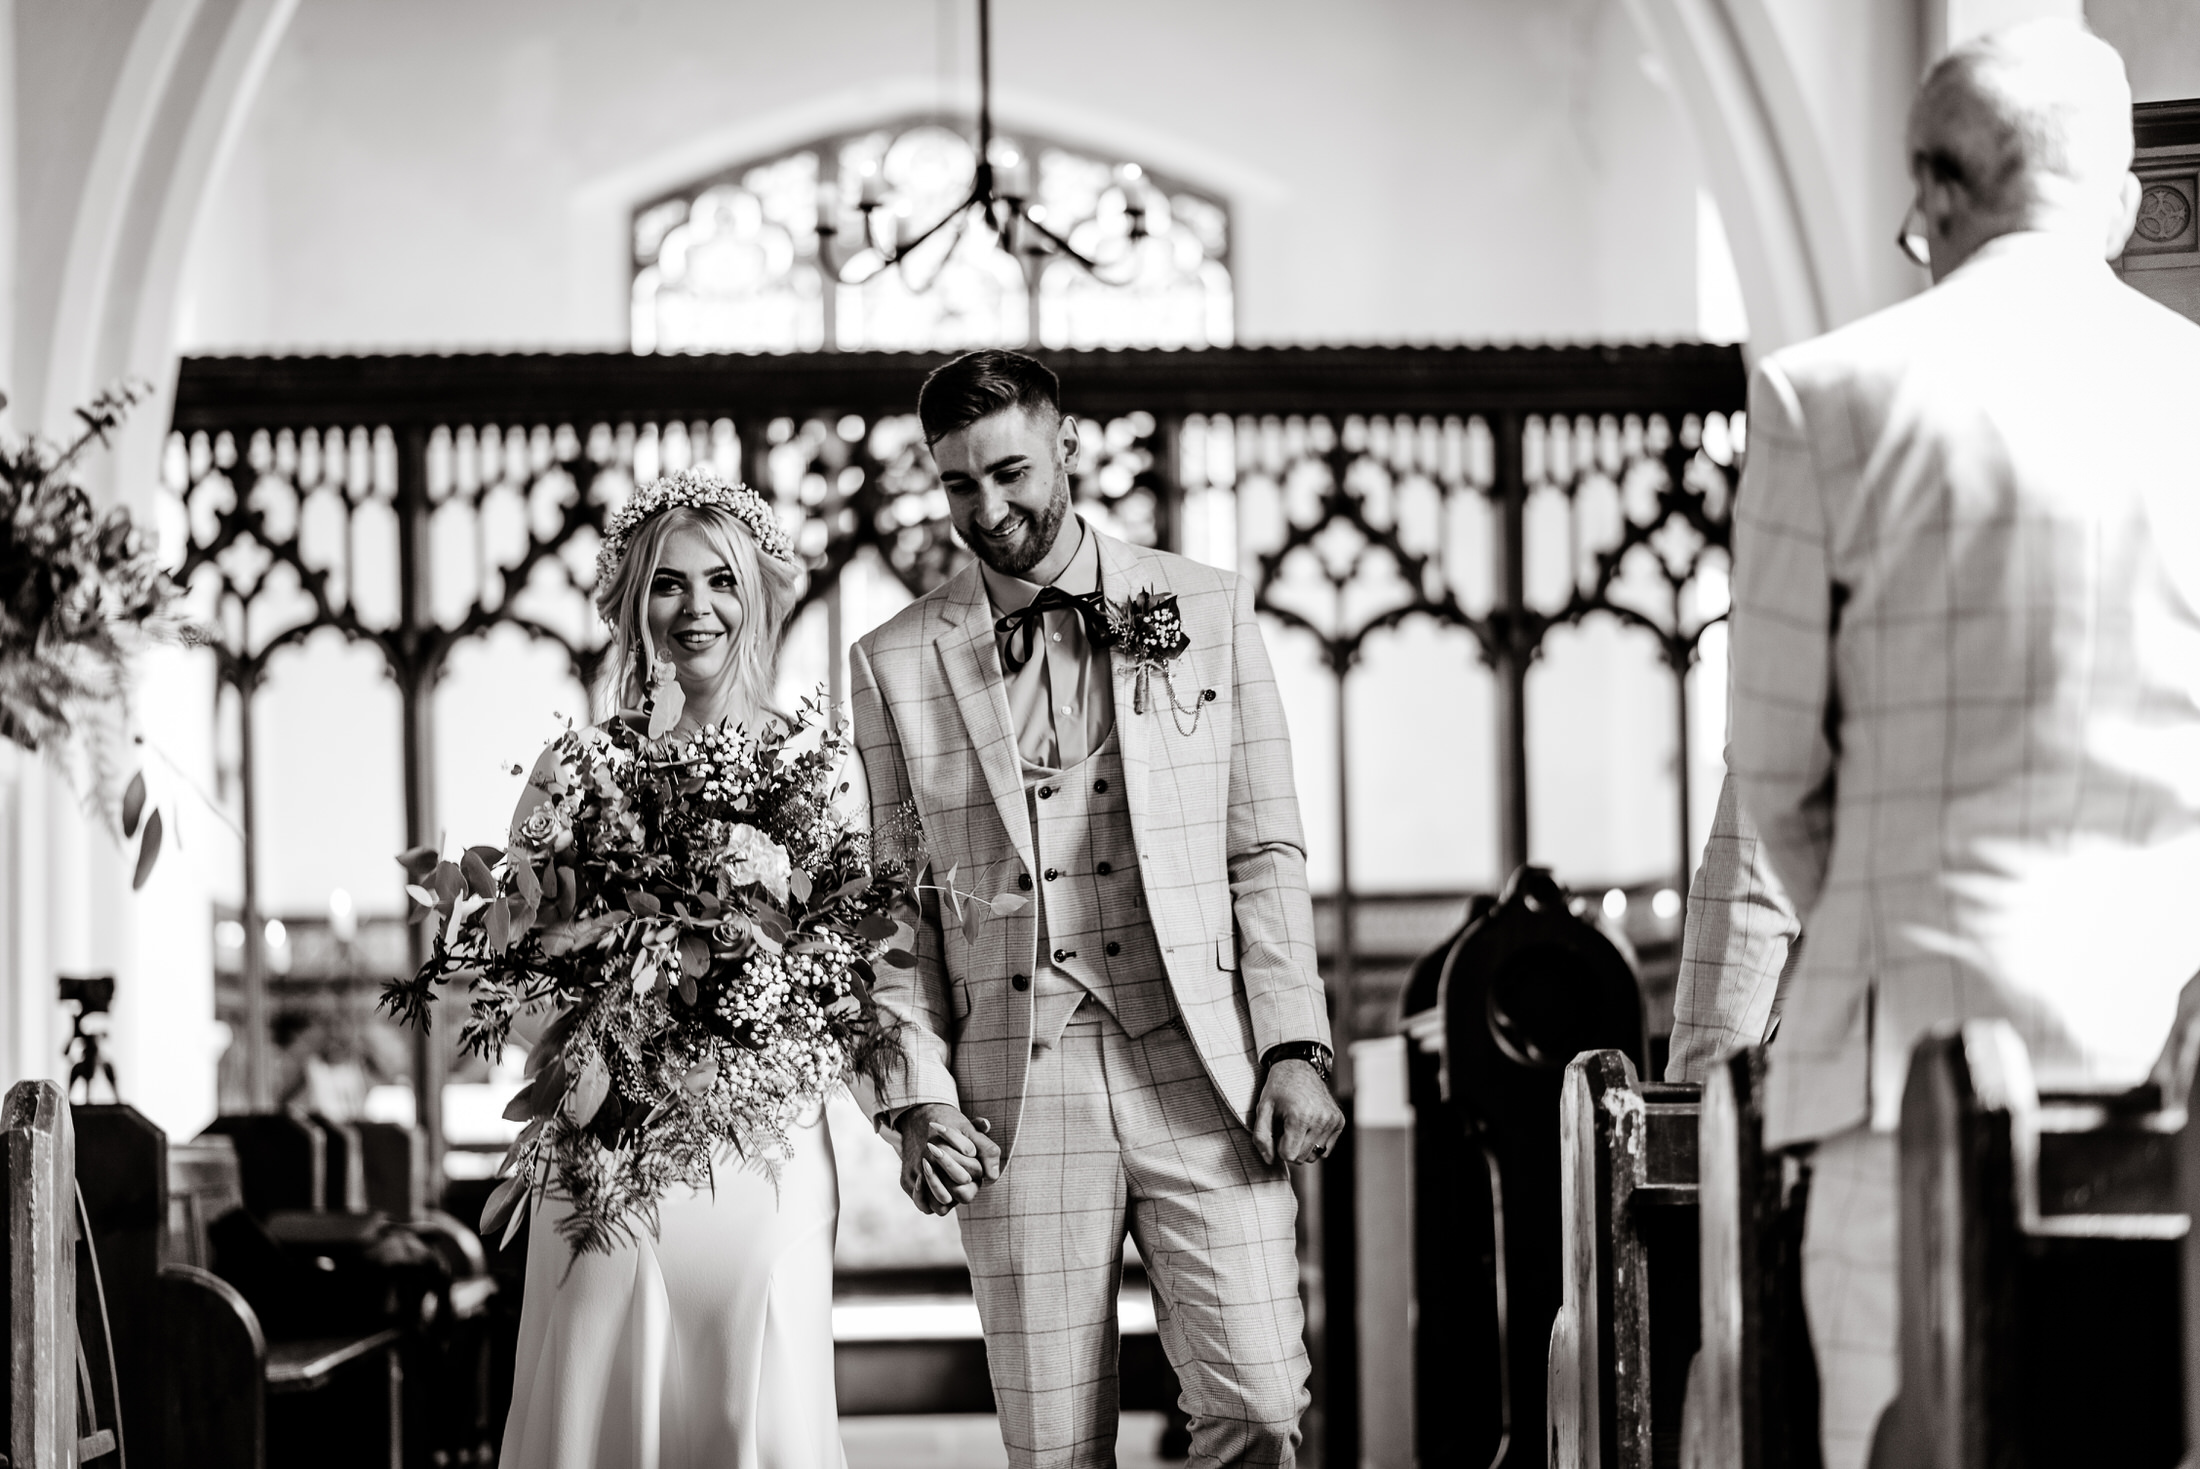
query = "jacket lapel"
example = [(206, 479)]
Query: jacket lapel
[(972, 657)]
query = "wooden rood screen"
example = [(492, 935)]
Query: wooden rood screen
[(414, 503)]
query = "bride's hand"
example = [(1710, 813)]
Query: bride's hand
[(945, 1157)]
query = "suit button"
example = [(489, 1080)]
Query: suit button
[(1114, 949), (1052, 874), (1100, 786), (1045, 791), (1061, 954), (1020, 981), (1105, 868), (1023, 880)]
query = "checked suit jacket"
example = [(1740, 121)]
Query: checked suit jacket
[(1214, 814), (1966, 661)]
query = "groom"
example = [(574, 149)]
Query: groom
[(1142, 1045)]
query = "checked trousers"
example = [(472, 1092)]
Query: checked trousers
[(1129, 1135)]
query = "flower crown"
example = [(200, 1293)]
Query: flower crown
[(696, 488)]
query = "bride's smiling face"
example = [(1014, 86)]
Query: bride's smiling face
[(695, 608)]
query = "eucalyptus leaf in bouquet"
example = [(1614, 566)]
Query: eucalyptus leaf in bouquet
[(697, 919)]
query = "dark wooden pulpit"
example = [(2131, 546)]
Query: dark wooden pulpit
[(1531, 984)]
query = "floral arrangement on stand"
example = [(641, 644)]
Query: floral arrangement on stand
[(700, 923), (81, 594)]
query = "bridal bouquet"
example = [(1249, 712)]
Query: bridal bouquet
[(700, 921)]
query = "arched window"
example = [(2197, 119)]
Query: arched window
[(774, 256)]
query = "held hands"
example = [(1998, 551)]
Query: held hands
[(945, 1157), (1295, 1119)]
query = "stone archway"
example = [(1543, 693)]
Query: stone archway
[(1765, 160), (179, 81)]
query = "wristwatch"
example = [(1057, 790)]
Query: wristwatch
[(1313, 1053)]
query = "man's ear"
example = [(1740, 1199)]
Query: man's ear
[(1943, 203), (1069, 439), (2125, 218)]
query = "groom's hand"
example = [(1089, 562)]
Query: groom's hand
[(945, 1157), (1295, 1119)]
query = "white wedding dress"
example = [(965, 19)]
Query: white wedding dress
[(708, 1347)]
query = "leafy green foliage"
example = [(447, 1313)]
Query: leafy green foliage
[(699, 922), (81, 593)]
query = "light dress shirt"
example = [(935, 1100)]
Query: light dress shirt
[(1062, 705)]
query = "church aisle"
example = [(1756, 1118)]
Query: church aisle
[(973, 1441)]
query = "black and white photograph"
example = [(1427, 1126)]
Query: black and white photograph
[(999, 734)]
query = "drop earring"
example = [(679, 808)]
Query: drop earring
[(666, 700)]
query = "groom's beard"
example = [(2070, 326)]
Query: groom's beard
[(1022, 540)]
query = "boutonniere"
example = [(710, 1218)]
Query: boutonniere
[(1147, 629)]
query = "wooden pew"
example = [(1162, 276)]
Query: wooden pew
[(452, 1407), (204, 1184), (122, 1176), (1627, 1323), (201, 1380), (344, 1188), (1753, 1390), (1453, 1279), (284, 1160), (366, 1177), (1525, 989), (41, 1257), (61, 1369), (394, 1169), (2040, 1243)]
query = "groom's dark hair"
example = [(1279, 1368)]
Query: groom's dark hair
[(980, 384)]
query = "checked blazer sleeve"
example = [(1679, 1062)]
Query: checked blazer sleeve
[(1267, 852), (1785, 712), (918, 998), (1739, 946)]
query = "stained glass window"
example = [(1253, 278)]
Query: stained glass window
[(783, 256)]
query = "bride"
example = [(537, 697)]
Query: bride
[(711, 1344)]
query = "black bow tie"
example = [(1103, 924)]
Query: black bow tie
[(1020, 628)]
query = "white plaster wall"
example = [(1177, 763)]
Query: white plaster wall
[(1857, 63), (2160, 40), (420, 174), (117, 115)]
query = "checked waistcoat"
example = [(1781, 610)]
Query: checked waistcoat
[(1095, 936)]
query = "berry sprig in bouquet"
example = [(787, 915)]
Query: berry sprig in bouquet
[(699, 920)]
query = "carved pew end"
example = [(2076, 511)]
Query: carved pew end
[(2041, 1310), (1626, 1328)]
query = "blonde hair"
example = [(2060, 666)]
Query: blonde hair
[(767, 587)]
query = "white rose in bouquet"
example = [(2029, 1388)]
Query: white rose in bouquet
[(755, 857)]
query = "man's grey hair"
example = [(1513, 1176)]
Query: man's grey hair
[(2046, 98)]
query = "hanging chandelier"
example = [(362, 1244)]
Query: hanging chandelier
[(1000, 203)]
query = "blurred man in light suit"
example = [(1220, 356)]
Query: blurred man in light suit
[(1966, 653)]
